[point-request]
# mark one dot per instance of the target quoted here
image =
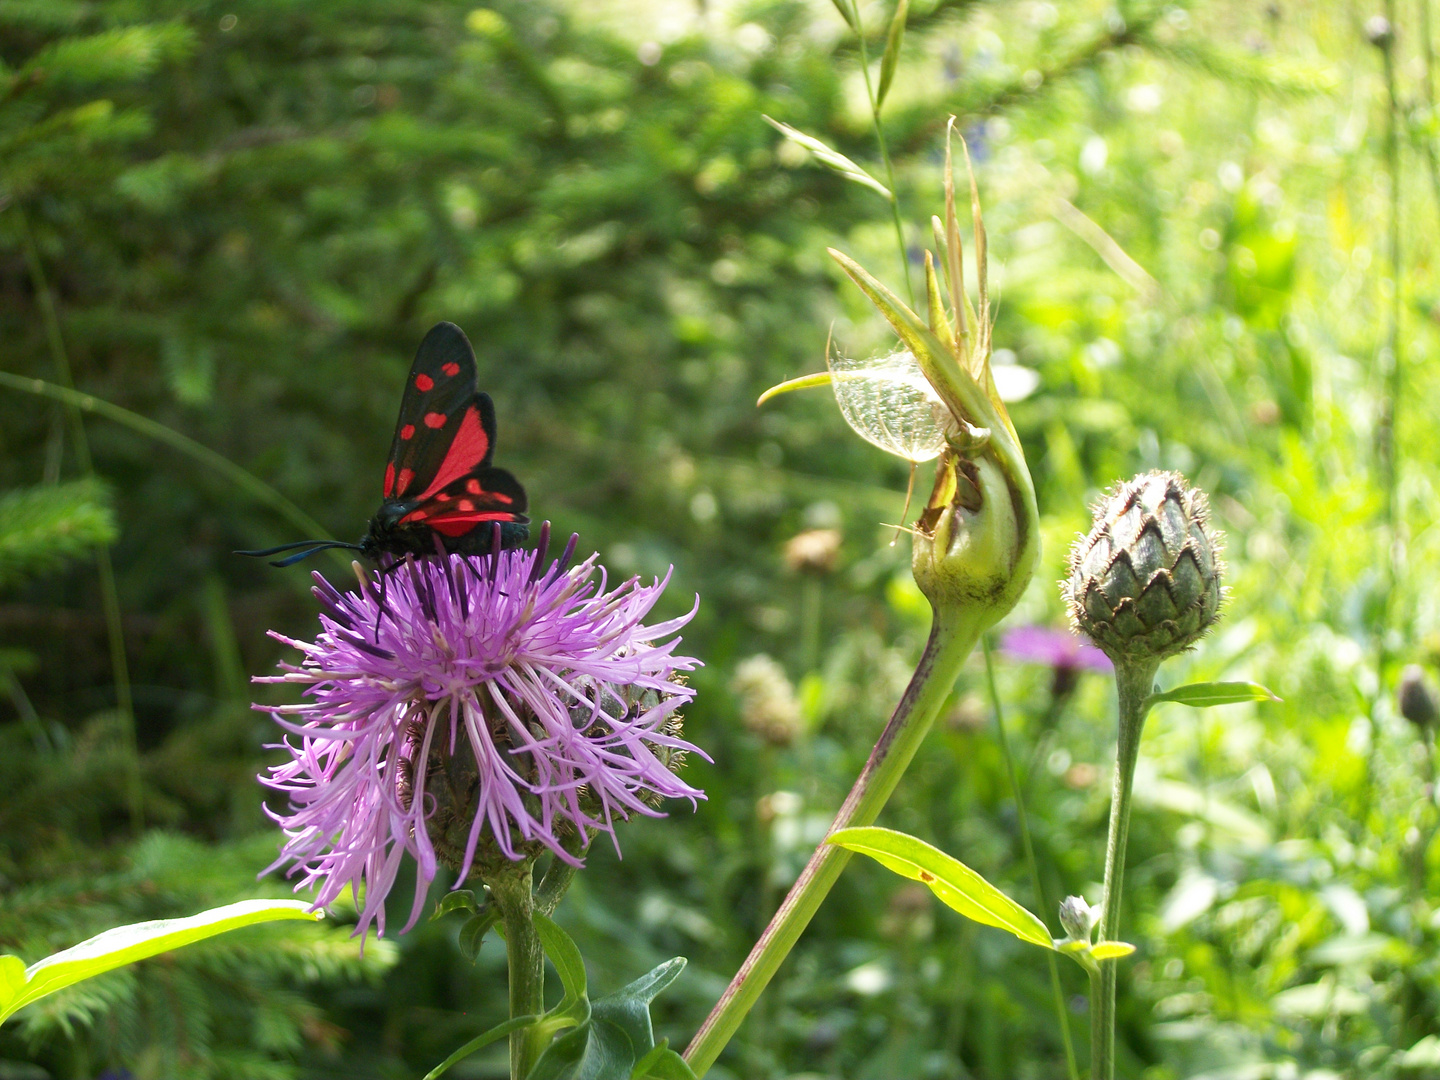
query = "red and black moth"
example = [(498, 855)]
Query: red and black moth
[(440, 491)]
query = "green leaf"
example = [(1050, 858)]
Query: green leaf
[(629, 1007), (890, 61), (831, 157), (574, 1006), (949, 879), (459, 900), (616, 1036), (662, 1063), (1205, 694), (126, 944), (1111, 950), (843, 6), (480, 1042), (472, 934)]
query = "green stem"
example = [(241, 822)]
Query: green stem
[(109, 592), (951, 640), (247, 482), (511, 892), (1133, 681), (1061, 1013), (884, 155)]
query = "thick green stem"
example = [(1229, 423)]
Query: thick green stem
[(1061, 1014), (525, 956), (1133, 681), (951, 641)]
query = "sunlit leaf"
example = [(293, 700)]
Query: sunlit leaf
[(949, 879), (127, 944), (891, 59), (1204, 695), (1111, 950), (831, 157)]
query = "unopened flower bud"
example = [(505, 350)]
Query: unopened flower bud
[(1379, 31), (814, 550), (1077, 918), (768, 706), (1145, 584), (1417, 703)]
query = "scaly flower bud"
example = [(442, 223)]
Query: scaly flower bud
[(1145, 584)]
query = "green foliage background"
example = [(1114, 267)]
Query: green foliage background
[(239, 218)]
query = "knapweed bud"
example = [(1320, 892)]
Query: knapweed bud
[(1077, 918), (1145, 584), (1417, 703)]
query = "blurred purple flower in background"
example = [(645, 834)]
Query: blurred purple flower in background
[(1067, 654), (492, 700), (1053, 648)]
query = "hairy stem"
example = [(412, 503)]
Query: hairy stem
[(951, 640), (524, 954), (1133, 681), (1061, 1014)]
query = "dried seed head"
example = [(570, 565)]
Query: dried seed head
[(1145, 584)]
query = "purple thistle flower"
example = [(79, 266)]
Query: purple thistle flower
[(493, 700), (1053, 648)]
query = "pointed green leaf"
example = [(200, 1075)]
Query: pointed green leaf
[(662, 1063), (629, 1007), (1204, 695), (565, 955), (459, 900), (480, 1042), (830, 157), (804, 382), (890, 61), (472, 934), (1111, 950), (843, 6), (949, 879), (126, 944), (12, 980)]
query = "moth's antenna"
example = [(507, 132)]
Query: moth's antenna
[(310, 548)]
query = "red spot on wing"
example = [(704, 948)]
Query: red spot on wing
[(452, 369), (458, 524), (389, 479), (424, 383), (408, 431), (434, 419), (467, 450), (473, 486), (406, 475), (466, 505)]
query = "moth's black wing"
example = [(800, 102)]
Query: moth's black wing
[(446, 428)]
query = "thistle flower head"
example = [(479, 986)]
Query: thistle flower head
[(467, 710), (1145, 583)]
